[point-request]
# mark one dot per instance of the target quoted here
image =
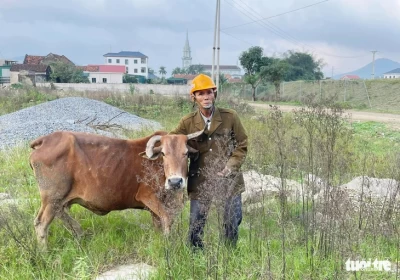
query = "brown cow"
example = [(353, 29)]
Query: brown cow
[(104, 174)]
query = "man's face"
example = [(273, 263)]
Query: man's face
[(205, 98)]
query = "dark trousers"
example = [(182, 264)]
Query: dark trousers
[(198, 216)]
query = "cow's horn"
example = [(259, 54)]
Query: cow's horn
[(150, 145), (195, 134)]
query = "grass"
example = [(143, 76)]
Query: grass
[(374, 95), (275, 242), (377, 137)]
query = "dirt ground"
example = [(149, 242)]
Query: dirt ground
[(391, 120)]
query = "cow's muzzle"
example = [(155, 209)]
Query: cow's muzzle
[(175, 183)]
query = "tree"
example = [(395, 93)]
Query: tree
[(275, 73), (222, 79), (78, 76), (62, 72), (303, 66), (177, 70), (129, 79), (252, 60), (162, 71), (195, 69)]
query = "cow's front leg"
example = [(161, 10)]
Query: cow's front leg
[(71, 223), (42, 221), (149, 198), (156, 221)]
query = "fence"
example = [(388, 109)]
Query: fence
[(4, 80), (382, 94), (127, 88)]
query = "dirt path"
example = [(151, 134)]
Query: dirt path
[(391, 119)]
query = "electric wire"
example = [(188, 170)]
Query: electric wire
[(250, 13)]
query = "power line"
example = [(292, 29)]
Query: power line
[(244, 41), (271, 27), (278, 31), (281, 14)]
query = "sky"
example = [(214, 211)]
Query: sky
[(340, 32)]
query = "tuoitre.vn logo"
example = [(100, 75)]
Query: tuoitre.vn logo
[(368, 265)]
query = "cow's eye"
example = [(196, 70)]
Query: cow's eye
[(187, 153)]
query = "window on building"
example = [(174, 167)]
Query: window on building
[(126, 61), (135, 71), (105, 80), (117, 60), (143, 60), (127, 69), (135, 61), (109, 60), (143, 70), (93, 80)]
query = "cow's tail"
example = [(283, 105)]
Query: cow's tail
[(37, 143)]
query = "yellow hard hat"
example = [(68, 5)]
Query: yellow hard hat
[(201, 82)]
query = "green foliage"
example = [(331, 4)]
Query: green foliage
[(66, 73), (192, 70), (61, 72), (132, 89), (303, 66), (253, 59), (314, 139), (17, 86), (23, 97), (376, 137), (178, 70), (294, 66), (195, 69), (79, 77), (129, 79), (275, 73), (162, 71)]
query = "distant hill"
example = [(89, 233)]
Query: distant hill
[(382, 65)]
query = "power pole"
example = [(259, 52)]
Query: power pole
[(332, 74), (217, 28), (218, 46), (215, 40), (373, 64)]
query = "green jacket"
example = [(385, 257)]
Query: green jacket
[(224, 144)]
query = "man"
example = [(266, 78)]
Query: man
[(215, 173)]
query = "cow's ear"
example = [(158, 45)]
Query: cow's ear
[(143, 155)]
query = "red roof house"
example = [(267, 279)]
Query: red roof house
[(350, 77)]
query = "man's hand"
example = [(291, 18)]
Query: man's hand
[(225, 172)]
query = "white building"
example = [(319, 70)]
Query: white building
[(232, 70), (135, 63), (394, 74), (104, 74)]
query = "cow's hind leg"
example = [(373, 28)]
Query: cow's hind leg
[(46, 214), (71, 223)]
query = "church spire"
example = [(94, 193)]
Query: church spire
[(186, 58)]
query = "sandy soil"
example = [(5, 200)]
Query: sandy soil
[(391, 119)]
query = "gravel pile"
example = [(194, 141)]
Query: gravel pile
[(72, 113)]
